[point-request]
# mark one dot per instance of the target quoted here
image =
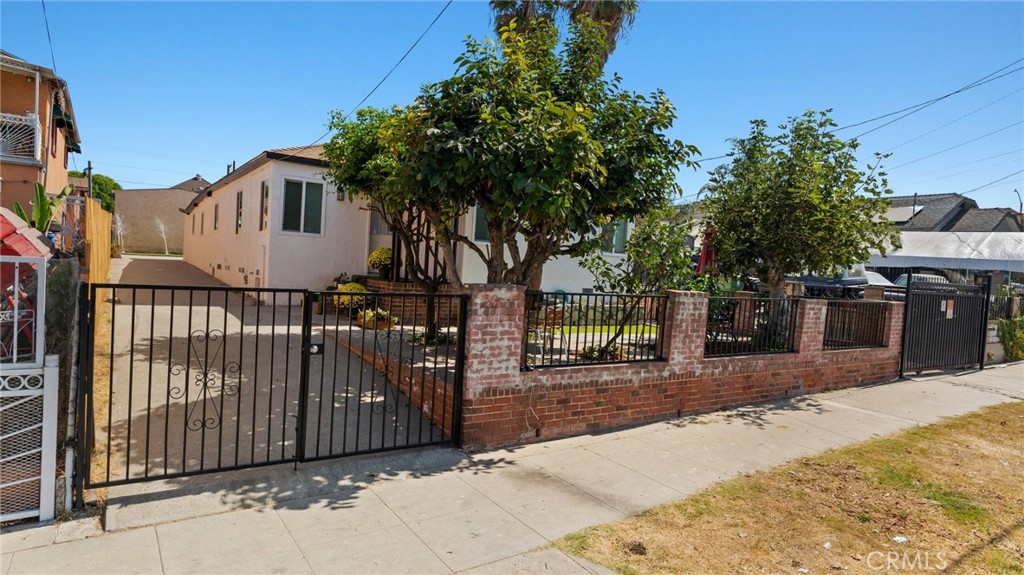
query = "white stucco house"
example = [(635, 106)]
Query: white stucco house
[(275, 222)]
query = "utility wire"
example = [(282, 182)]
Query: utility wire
[(145, 169), (971, 113), (992, 183), (382, 80), (1004, 128), (980, 81), (49, 40)]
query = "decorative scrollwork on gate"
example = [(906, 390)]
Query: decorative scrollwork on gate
[(385, 347), (206, 382)]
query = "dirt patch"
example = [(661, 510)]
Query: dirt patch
[(944, 497)]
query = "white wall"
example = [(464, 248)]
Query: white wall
[(235, 259), (309, 261), (561, 273)]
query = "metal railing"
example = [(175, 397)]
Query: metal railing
[(750, 325), (1001, 307), (854, 324), (584, 329), (19, 136)]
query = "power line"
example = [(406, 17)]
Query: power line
[(971, 113), (979, 82), (1004, 128), (992, 182), (49, 40), (382, 80), (145, 169)]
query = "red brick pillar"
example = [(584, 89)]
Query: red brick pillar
[(686, 322), (494, 338), (810, 326), (894, 335)]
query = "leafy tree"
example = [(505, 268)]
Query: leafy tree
[(616, 15), (541, 142), (103, 188), (657, 258), (796, 201), (362, 165)]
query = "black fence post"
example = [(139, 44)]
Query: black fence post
[(300, 419), (906, 323), (460, 366), (79, 443), (984, 322)]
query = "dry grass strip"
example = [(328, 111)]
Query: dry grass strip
[(954, 490)]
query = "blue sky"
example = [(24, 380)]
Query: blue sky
[(165, 90)]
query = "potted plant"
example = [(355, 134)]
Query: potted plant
[(350, 300), (380, 260), (376, 319)]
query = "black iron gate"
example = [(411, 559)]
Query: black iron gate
[(944, 326), (181, 380)]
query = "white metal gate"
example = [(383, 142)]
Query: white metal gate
[(28, 394)]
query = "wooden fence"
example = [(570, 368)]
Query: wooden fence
[(97, 242)]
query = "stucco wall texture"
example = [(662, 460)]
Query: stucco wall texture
[(140, 209)]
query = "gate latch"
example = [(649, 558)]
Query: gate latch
[(315, 349)]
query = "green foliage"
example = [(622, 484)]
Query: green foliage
[(657, 257), (1011, 336), (350, 301), (103, 188), (616, 16), (796, 201), (531, 132), (439, 338), (44, 207), (379, 259), (370, 316), (608, 352)]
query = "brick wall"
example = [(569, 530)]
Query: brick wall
[(413, 310), (504, 405)]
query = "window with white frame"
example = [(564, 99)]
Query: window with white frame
[(303, 207), (615, 237), (216, 216), (377, 225), (264, 204), (480, 231)]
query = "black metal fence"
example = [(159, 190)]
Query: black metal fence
[(853, 323), (1002, 307), (578, 328), (750, 325), (186, 380)]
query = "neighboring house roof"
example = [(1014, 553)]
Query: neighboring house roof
[(17, 238), (307, 155), (196, 184), (987, 220), (66, 112), (80, 182), (933, 211)]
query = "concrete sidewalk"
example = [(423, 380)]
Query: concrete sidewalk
[(441, 511)]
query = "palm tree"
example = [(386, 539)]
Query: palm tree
[(617, 15)]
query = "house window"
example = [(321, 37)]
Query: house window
[(238, 212), (264, 204), (480, 231), (193, 224), (615, 237), (377, 225), (202, 222), (303, 207), (216, 216)]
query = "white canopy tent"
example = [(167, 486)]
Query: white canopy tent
[(990, 251)]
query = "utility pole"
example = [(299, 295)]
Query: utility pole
[(88, 171)]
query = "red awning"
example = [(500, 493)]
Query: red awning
[(18, 239)]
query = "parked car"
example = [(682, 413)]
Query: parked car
[(928, 278)]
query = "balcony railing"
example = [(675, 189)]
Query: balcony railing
[(20, 137)]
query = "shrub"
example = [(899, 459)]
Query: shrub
[(350, 301), (376, 315), (601, 353), (379, 259), (1011, 335)]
